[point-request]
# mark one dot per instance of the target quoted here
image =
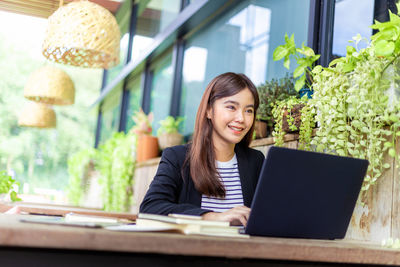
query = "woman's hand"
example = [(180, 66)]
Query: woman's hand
[(236, 216)]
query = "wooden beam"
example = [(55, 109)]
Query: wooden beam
[(44, 8)]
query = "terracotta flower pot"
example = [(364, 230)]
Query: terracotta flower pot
[(169, 139), (261, 129), (147, 148)]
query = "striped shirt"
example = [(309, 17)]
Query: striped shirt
[(230, 178)]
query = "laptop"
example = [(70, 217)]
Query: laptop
[(302, 194)]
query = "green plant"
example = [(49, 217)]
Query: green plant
[(116, 164), (79, 166), (169, 125), (6, 186), (358, 110), (269, 93), (305, 59), (142, 122), (303, 121)]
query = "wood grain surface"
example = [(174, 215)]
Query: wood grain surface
[(30, 235)]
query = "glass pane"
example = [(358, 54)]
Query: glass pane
[(152, 19), (114, 71), (351, 17), (161, 90), (135, 96), (241, 41), (110, 115)]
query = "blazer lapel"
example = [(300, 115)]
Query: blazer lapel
[(243, 166)]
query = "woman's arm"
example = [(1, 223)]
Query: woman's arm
[(167, 185)]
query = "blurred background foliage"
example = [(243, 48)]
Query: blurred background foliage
[(37, 158)]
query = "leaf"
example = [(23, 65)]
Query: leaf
[(384, 48), (280, 52), (386, 165), (307, 51), (392, 152), (286, 63), (350, 49), (347, 67), (394, 118), (298, 71), (300, 83), (335, 61), (317, 69)]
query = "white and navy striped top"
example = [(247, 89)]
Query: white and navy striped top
[(230, 178)]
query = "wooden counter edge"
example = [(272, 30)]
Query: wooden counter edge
[(28, 235)]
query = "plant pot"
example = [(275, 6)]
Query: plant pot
[(147, 147), (261, 129), (169, 139), (296, 114)]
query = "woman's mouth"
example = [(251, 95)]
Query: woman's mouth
[(235, 129)]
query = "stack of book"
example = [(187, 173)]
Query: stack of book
[(189, 225)]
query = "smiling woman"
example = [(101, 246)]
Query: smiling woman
[(216, 175)]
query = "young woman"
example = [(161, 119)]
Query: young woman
[(215, 176)]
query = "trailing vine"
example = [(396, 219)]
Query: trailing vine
[(116, 163), (78, 168), (357, 99), (283, 110)]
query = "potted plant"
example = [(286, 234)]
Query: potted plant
[(269, 93), (7, 187), (147, 145), (168, 134)]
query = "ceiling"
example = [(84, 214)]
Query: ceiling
[(44, 8)]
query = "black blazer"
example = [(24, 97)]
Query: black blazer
[(169, 192)]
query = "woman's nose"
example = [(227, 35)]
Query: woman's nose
[(239, 116)]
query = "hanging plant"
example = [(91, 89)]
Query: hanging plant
[(358, 118), (79, 166), (294, 115), (357, 99), (116, 163)]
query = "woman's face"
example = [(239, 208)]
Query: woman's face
[(232, 117)]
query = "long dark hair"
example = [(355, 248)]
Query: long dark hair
[(201, 156)]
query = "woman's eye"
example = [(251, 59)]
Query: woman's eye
[(249, 111), (230, 107)]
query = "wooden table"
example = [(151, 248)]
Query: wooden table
[(52, 245)]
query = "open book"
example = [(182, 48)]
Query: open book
[(190, 225)]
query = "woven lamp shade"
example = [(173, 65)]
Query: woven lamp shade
[(82, 34), (36, 114), (50, 85)]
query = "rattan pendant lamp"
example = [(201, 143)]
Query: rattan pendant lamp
[(39, 115), (50, 85), (82, 34)]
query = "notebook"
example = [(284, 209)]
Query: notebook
[(302, 194)]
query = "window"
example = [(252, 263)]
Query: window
[(123, 18), (351, 17), (110, 114), (135, 96), (153, 17), (161, 89), (242, 40)]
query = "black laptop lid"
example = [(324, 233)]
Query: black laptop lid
[(305, 194)]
